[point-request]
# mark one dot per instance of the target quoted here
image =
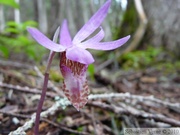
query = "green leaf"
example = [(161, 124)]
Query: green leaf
[(12, 24), (24, 40), (4, 51), (11, 30), (29, 23), (91, 70), (11, 3)]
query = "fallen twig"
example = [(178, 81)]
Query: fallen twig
[(63, 103), (15, 114), (15, 64), (65, 128), (60, 93), (135, 112), (142, 99), (60, 103), (25, 89)]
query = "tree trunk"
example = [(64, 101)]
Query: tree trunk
[(164, 23), (2, 20), (17, 17), (70, 14), (35, 8), (42, 16), (56, 15)]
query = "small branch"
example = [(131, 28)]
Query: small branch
[(137, 36), (103, 65), (156, 117), (15, 115), (141, 99), (129, 110), (63, 103), (15, 64), (141, 28), (56, 89), (64, 128), (60, 103), (25, 89)]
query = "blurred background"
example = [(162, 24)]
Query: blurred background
[(148, 64), (155, 28)]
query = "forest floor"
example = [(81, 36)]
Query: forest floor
[(148, 98)]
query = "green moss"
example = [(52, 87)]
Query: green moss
[(32, 72), (80, 128), (91, 71), (140, 59), (129, 22), (168, 67), (177, 65), (60, 117), (55, 75)]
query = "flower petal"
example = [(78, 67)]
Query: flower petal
[(97, 38), (65, 37), (94, 22), (44, 41), (105, 45), (55, 37), (75, 84), (79, 55)]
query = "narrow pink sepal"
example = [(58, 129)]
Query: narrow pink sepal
[(105, 45), (65, 37), (94, 22), (97, 38), (44, 41)]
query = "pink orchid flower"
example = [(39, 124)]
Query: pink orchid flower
[(74, 58)]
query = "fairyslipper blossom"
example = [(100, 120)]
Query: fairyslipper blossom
[(74, 58)]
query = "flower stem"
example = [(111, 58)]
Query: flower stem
[(43, 93), (44, 89), (39, 108)]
